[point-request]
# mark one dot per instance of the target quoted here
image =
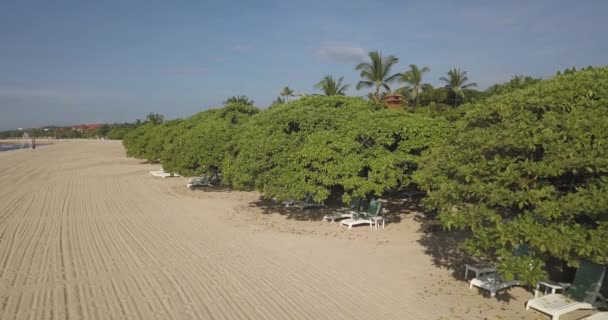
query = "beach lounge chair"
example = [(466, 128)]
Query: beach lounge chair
[(163, 174), (483, 269), (353, 208), (307, 203), (493, 282), (583, 294), (203, 181), (597, 316), (199, 182), (373, 210)]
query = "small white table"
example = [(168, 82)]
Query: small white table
[(376, 221), (548, 284), (479, 269)]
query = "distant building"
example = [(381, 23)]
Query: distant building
[(86, 127), (394, 100)]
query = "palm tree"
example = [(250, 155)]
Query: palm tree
[(377, 73), (239, 99), (278, 100), (456, 82), (286, 93), (155, 118), (331, 87), (413, 78)]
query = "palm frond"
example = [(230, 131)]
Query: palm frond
[(364, 84)]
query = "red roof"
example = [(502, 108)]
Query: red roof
[(88, 126), (393, 100)]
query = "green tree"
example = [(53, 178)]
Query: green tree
[(103, 130), (147, 141), (376, 73), (516, 83), (155, 118), (286, 93), (239, 99), (200, 143), (330, 87), (119, 131), (413, 78), (456, 81), (277, 101), (330, 145), (528, 167)]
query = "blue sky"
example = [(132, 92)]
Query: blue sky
[(68, 62)]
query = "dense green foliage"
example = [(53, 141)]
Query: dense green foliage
[(136, 142), (530, 167), (192, 146), (239, 100), (516, 83), (201, 143), (119, 131), (321, 145)]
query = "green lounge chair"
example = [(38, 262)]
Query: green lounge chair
[(373, 210), (583, 294), (353, 207)]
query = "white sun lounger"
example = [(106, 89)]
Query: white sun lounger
[(338, 215), (374, 209), (199, 182), (557, 304), (492, 282), (162, 174), (597, 316), (586, 288), (355, 222)]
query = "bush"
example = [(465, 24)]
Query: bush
[(529, 167), (118, 132), (191, 146), (201, 143), (322, 144), (136, 141)]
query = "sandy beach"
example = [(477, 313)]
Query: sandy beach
[(86, 233)]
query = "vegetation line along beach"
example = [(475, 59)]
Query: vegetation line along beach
[(321, 160)]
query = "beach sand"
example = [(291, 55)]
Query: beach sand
[(86, 233)]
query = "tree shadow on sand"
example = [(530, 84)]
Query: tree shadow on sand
[(445, 249), (393, 209), (215, 188), (269, 206)]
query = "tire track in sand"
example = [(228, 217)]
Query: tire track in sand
[(88, 235)]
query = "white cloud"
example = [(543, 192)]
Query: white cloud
[(341, 53)]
